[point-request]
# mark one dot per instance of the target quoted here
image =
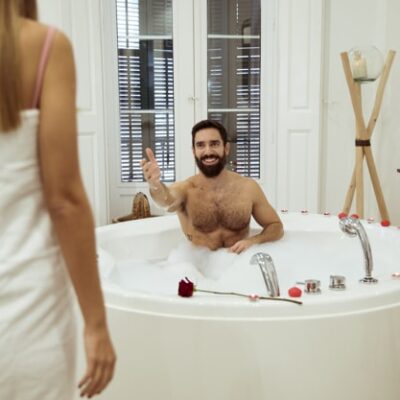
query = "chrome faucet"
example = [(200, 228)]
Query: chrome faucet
[(353, 227), (264, 261)]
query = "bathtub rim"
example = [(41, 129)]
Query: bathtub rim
[(228, 307)]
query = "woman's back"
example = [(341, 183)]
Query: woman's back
[(22, 202), (46, 227)]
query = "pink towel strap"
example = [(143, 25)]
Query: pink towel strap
[(42, 66)]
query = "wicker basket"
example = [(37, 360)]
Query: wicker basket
[(140, 209)]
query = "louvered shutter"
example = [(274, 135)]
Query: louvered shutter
[(146, 96), (234, 78)]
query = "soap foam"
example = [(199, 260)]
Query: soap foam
[(218, 270), (210, 264)]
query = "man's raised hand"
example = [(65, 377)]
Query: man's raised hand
[(151, 170)]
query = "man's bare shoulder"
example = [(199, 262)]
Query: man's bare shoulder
[(251, 187), (192, 182), (249, 183), (182, 186)]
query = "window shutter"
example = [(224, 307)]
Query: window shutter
[(234, 78), (146, 97)]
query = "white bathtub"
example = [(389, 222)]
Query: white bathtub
[(337, 345)]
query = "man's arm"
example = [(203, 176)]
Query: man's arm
[(265, 216), (172, 198)]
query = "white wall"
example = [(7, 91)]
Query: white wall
[(351, 23)]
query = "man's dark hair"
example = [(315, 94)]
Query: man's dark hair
[(208, 123)]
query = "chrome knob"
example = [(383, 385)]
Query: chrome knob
[(312, 286), (337, 282)]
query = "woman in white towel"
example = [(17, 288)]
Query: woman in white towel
[(47, 236)]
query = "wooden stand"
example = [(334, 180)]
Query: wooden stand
[(363, 136)]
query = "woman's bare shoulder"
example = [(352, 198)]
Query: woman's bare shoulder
[(34, 32)]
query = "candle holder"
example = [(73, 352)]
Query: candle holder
[(365, 67), (366, 63)]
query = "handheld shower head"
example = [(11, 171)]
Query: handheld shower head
[(353, 227)]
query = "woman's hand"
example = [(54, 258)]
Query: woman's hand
[(100, 358)]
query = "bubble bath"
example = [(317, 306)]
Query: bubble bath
[(211, 270)]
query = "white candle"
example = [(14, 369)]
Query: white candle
[(359, 67)]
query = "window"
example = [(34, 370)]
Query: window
[(234, 78), (146, 85)]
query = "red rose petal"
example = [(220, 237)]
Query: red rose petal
[(295, 292)]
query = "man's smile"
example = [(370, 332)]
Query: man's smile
[(210, 160)]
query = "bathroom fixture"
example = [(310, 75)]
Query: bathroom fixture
[(312, 286), (353, 227), (337, 282), (268, 271)]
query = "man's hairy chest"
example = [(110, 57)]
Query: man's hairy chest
[(210, 210)]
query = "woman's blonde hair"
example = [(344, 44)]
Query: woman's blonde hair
[(10, 90)]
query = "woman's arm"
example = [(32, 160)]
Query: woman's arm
[(70, 210)]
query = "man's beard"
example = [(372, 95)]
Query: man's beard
[(211, 171)]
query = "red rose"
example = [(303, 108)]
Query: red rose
[(186, 288)]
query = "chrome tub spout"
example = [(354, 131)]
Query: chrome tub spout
[(264, 261), (353, 227)]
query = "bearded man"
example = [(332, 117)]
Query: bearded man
[(214, 206)]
